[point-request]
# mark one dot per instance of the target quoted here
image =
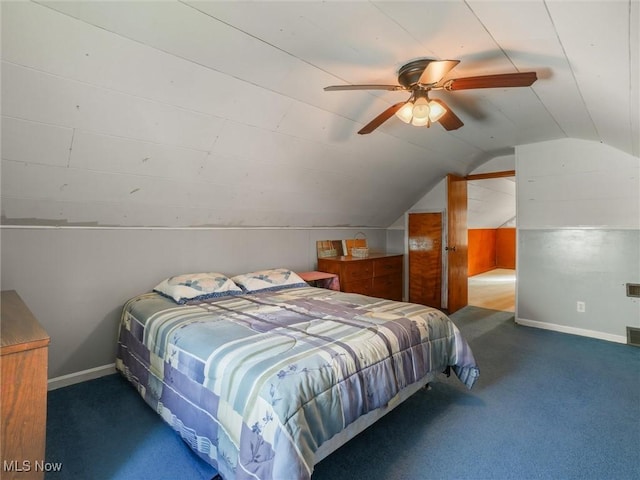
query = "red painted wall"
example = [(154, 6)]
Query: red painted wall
[(481, 250), (506, 248), (491, 248)]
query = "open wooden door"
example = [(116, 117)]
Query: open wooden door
[(457, 243), (425, 259)]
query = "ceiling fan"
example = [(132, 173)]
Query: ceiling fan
[(420, 77)]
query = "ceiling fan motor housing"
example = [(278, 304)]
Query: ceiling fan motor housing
[(410, 73)]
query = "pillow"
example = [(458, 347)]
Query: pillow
[(197, 286), (269, 280)]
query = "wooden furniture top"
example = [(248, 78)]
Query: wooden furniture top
[(314, 275), (19, 329), (371, 256)]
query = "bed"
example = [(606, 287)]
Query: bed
[(263, 376)]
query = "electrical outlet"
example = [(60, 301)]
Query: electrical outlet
[(581, 307)]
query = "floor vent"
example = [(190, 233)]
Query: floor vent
[(633, 289), (633, 336)]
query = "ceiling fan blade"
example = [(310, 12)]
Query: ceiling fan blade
[(334, 88), (380, 119), (523, 79), (449, 120), (436, 70)]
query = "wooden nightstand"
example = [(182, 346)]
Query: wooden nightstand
[(321, 279), (23, 354)]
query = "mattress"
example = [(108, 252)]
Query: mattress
[(264, 385)]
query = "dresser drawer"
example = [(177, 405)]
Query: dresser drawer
[(388, 286), (357, 270), (379, 275), (365, 287), (387, 266)]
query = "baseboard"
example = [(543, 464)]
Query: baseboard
[(572, 330), (83, 376)]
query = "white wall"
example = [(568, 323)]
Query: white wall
[(578, 210), (496, 164), (76, 280), (435, 200)]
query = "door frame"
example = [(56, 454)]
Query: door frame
[(457, 241)]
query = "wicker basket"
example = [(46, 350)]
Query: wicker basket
[(327, 253), (360, 252)]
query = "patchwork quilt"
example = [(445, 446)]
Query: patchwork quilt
[(255, 383)]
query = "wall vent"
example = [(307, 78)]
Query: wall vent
[(633, 336), (633, 289)]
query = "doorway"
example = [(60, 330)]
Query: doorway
[(492, 241)]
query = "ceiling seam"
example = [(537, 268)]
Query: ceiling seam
[(192, 180), (486, 29), (196, 62), (102, 134), (108, 89), (504, 52), (401, 27), (157, 48), (286, 53), (73, 134), (188, 110), (573, 75), (244, 32), (56, 125)]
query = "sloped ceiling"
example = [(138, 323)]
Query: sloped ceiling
[(491, 203), (213, 113)]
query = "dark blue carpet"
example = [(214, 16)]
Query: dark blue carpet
[(102, 429), (547, 406)]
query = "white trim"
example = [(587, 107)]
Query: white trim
[(85, 227), (579, 227), (572, 330), (83, 376)]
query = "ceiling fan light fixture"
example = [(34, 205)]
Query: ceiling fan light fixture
[(421, 110), (406, 112), (420, 122), (436, 111)]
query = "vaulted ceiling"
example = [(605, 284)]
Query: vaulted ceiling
[(213, 113)]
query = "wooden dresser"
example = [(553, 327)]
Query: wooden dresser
[(23, 401), (378, 275)]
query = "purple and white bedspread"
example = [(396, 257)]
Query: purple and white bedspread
[(256, 383)]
